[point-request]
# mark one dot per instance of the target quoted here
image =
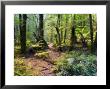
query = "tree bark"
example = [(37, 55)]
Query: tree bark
[(58, 33), (95, 42), (72, 39), (41, 31), (65, 30), (73, 36), (91, 32), (40, 37), (22, 19), (61, 30), (51, 36), (84, 43), (58, 30)]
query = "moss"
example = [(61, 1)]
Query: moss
[(42, 55), (20, 69), (36, 47)]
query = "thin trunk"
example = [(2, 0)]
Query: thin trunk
[(58, 30), (59, 40), (20, 27), (61, 35), (65, 30), (51, 37), (41, 31), (15, 40), (84, 43), (91, 32), (61, 30), (72, 38), (95, 42), (56, 38), (36, 33)]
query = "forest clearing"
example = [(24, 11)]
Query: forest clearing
[(55, 45)]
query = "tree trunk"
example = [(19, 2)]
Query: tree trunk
[(91, 32), (51, 36), (41, 31), (56, 38), (72, 39), (40, 37), (95, 42), (58, 30), (61, 30), (65, 30), (15, 40), (58, 33), (61, 35), (84, 43), (23, 32)]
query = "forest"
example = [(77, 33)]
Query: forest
[(55, 45)]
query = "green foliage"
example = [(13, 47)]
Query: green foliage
[(80, 21), (20, 69), (69, 63), (77, 64), (16, 51), (42, 55)]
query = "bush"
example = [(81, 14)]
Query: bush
[(20, 69), (76, 63)]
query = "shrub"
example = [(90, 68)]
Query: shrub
[(76, 63), (20, 69)]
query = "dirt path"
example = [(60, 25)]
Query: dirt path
[(43, 67)]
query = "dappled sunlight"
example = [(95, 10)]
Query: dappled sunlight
[(55, 45)]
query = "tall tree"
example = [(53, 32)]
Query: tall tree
[(22, 27), (95, 42), (65, 33), (58, 30), (91, 32), (73, 35), (61, 26), (41, 31)]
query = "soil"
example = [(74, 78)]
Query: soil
[(43, 67)]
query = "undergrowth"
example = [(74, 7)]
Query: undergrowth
[(76, 63)]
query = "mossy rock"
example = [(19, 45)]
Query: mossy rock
[(41, 55), (36, 47)]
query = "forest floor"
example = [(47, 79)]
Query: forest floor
[(43, 67), (39, 64)]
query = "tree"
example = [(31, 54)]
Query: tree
[(73, 35), (95, 42), (65, 29), (84, 43), (41, 31), (58, 31), (72, 42), (91, 32), (61, 28), (22, 27), (51, 36)]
